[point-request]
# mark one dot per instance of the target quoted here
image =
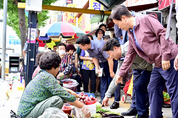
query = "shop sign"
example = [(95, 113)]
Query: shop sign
[(71, 16), (93, 4)]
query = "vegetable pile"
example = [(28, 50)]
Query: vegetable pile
[(100, 114), (104, 113)]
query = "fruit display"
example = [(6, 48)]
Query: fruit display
[(84, 98)]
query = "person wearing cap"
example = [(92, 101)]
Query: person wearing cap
[(147, 39)]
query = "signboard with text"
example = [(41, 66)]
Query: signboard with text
[(71, 15), (69, 2), (93, 4)]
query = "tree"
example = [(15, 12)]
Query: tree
[(17, 19)]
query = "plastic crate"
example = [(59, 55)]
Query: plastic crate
[(89, 94)]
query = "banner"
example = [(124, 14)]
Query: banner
[(65, 17), (128, 3), (71, 16), (164, 3), (84, 22)]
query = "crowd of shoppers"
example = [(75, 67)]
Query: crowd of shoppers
[(100, 64)]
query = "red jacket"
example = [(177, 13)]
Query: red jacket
[(150, 35)]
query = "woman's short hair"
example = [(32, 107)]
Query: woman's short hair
[(38, 57), (102, 26), (96, 33), (70, 47), (90, 36), (62, 44), (49, 60)]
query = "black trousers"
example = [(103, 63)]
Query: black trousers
[(86, 74)]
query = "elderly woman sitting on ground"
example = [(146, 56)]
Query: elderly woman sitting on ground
[(44, 91)]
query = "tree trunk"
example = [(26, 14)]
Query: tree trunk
[(22, 27)]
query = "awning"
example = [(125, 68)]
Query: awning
[(143, 7), (97, 18), (109, 4)]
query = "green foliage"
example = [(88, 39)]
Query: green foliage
[(42, 17), (13, 18)]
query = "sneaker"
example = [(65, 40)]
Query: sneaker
[(97, 93), (130, 112), (115, 105)]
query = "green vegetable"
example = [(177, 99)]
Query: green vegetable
[(111, 112), (96, 115), (102, 110), (98, 106)]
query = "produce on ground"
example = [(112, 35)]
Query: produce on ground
[(84, 98)]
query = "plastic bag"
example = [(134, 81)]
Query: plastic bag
[(53, 112), (4, 87), (69, 83), (130, 89)]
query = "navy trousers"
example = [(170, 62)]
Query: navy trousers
[(104, 79), (160, 78), (140, 82), (117, 91)]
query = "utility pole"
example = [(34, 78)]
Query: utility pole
[(32, 6), (31, 49), (4, 39)]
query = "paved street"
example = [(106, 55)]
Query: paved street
[(167, 112), (12, 104)]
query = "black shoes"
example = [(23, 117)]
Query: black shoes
[(138, 116), (129, 112), (115, 105), (166, 105)]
